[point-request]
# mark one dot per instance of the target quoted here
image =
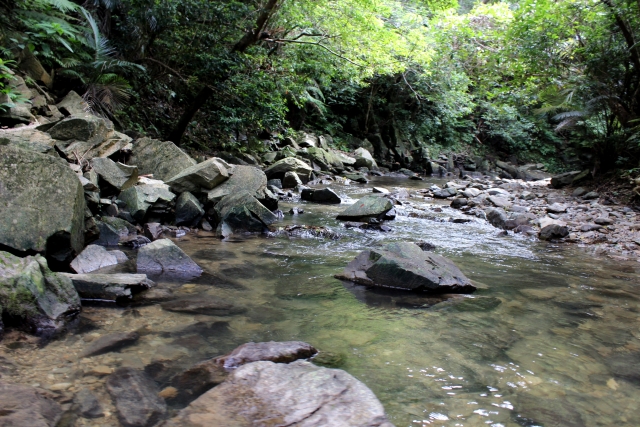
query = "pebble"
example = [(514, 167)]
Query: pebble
[(60, 386)]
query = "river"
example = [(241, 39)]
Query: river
[(550, 339)]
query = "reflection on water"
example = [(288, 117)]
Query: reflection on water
[(552, 341)]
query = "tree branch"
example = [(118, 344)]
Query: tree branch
[(315, 44)]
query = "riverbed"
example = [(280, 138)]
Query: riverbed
[(550, 338)]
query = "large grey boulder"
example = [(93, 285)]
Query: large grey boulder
[(241, 212), (44, 301), (297, 394), (73, 104), (141, 198), (188, 210), (403, 265), (163, 256), (28, 139), (163, 159), (496, 217), (364, 159), (135, 397), (41, 204), (289, 164), (82, 127), (564, 179), (370, 206), (201, 177), (119, 287), (243, 178), (22, 406), (116, 175), (94, 257)]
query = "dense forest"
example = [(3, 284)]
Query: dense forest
[(556, 82)]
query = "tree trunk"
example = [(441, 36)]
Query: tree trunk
[(251, 37)]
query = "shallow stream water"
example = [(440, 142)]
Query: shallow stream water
[(552, 339)]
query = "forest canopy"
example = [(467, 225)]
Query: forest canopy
[(534, 80)]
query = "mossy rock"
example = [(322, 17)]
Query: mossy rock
[(35, 297)]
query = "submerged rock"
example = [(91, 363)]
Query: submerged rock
[(299, 394), (24, 406), (109, 343), (272, 351), (163, 256), (135, 397), (406, 266), (39, 299), (94, 257), (109, 287), (87, 404), (42, 205), (203, 304), (370, 206)]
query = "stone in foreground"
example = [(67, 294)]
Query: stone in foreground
[(163, 256), (27, 406), (277, 352), (41, 204), (370, 206), (135, 397), (406, 266), (118, 287), (44, 301), (298, 394)]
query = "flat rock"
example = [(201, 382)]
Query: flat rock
[(163, 256), (298, 394), (603, 221), (24, 406), (357, 177), (31, 181), (370, 206), (109, 287), (200, 177), (44, 301), (94, 257), (109, 343), (380, 190), (556, 208), (135, 397), (499, 202), (272, 351), (406, 266), (162, 159), (444, 193)]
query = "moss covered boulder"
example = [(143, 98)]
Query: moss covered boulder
[(35, 298), (41, 205), (163, 159)]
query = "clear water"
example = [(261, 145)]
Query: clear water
[(552, 340)]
